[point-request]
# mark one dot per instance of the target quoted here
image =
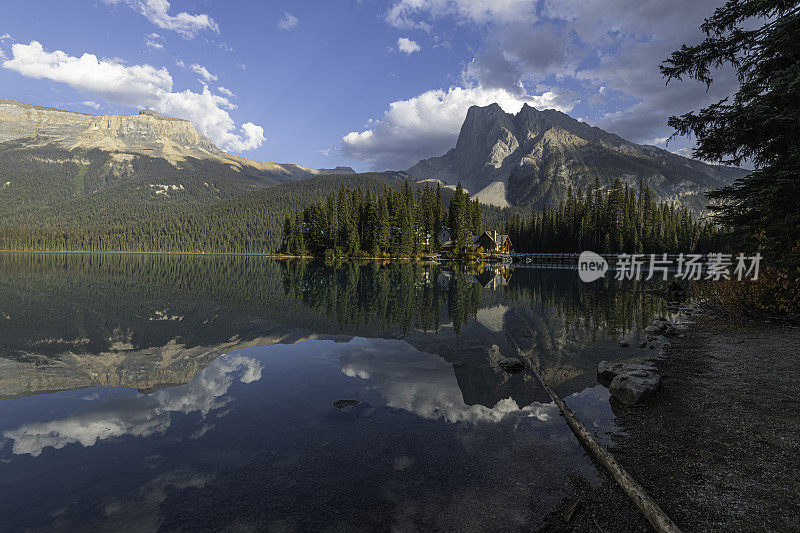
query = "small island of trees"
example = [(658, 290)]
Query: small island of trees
[(402, 223)]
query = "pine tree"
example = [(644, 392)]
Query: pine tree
[(761, 40)]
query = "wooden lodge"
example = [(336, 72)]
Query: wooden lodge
[(493, 242)]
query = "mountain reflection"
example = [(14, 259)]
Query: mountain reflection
[(138, 416), (150, 321), (426, 385)]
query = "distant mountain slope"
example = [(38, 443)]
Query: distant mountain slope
[(533, 157), (251, 222), (50, 157)]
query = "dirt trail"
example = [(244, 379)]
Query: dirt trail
[(719, 447)]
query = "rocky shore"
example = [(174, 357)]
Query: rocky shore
[(717, 445)]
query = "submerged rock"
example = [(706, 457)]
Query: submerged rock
[(624, 344), (341, 404), (511, 365), (635, 386)]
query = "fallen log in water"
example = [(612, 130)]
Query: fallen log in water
[(649, 508)]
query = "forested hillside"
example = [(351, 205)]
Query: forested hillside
[(50, 186), (248, 223)]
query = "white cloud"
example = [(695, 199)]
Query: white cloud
[(180, 63), (157, 12), (406, 13), (153, 40), (138, 86), (428, 125), (226, 92), (203, 72), (407, 46), (288, 22), (6, 36), (89, 103)]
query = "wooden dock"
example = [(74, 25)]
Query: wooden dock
[(572, 258)]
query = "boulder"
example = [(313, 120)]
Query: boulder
[(635, 386), (511, 365), (624, 344), (652, 329), (606, 372)]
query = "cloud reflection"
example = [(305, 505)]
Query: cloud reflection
[(426, 384), (139, 416)]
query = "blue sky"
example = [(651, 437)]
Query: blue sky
[(371, 84)]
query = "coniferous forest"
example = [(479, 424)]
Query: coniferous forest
[(393, 223), (354, 222), (617, 221), (373, 216)]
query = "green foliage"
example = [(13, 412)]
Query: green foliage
[(614, 222), (356, 222), (248, 223), (49, 187), (467, 254), (761, 40)]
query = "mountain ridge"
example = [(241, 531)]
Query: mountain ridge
[(146, 133), (142, 166), (534, 157)]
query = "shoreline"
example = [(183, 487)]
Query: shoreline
[(716, 448), (243, 254)]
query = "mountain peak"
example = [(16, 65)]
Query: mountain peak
[(535, 156), (487, 112)]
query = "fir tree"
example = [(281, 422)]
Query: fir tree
[(761, 40)]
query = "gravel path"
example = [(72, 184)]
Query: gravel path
[(719, 447)]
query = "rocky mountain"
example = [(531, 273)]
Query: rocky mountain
[(135, 167), (148, 134), (534, 157)]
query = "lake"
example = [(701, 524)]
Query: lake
[(149, 392)]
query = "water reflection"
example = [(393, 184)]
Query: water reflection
[(230, 450), (151, 321), (426, 385), (163, 392), (141, 415)]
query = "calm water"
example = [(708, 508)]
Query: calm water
[(146, 393)]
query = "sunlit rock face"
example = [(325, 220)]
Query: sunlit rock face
[(534, 157), (148, 133)]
